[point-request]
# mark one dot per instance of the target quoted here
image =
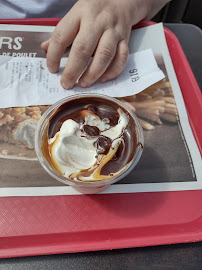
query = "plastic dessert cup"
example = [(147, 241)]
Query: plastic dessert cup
[(94, 186)]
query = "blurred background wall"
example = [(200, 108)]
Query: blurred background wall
[(181, 11)]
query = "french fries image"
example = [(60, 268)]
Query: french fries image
[(169, 117), (130, 106), (156, 104), (145, 124)]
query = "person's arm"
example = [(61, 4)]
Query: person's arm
[(101, 27)]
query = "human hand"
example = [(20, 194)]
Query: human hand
[(101, 27)]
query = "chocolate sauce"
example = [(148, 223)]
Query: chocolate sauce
[(106, 111), (72, 110), (140, 145), (121, 158), (91, 131), (103, 144)]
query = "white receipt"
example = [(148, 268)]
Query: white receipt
[(26, 81)]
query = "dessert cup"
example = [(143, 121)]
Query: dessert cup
[(86, 187)]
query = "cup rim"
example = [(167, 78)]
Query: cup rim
[(50, 111)]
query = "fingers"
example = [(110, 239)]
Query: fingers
[(118, 63), (62, 37), (89, 32), (104, 54), (45, 44), (108, 62), (81, 51)]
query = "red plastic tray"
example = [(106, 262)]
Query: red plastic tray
[(61, 224)]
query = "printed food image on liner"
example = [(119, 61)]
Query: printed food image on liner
[(17, 130), (164, 159)]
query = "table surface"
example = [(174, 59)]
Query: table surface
[(181, 256)]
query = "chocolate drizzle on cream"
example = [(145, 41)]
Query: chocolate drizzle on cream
[(90, 139)]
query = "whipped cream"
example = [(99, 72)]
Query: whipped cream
[(93, 120), (116, 131), (70, 151), (73, 150)]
